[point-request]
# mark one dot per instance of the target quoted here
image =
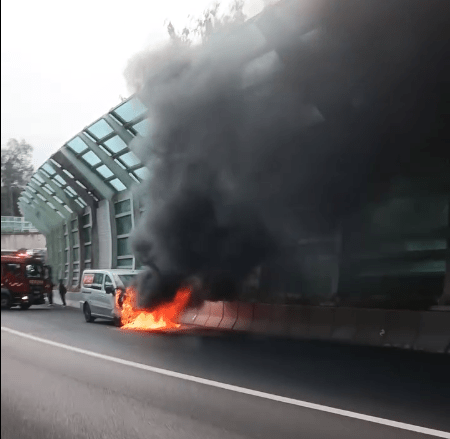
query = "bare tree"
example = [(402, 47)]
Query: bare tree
[(16, 172), (208, 23)]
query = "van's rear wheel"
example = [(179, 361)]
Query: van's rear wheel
[(117, 321), (25, 305), (5, 301), (87, 313)]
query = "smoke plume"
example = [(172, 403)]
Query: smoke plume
[(281, 128)]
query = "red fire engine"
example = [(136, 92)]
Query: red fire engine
[(25, 280)]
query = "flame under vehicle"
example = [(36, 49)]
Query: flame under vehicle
[(103, 291), (25, 280)]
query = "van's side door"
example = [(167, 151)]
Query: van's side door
[(96, 293), (106, 301)]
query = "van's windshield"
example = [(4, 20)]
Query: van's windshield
[(126, 279)]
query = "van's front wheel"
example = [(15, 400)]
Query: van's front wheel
[(87, 313), (25, 305)]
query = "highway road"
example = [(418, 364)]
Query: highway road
[(64, 378)]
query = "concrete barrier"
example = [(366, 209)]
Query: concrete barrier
[(72, 299), (402, 328), (203, 314), (269, 319), (297, 318), (189, 316), (216, 315), (344, 324), (370, 327), (320, 323), (434, 332), (263, 318), (230, 313), (244, 317)]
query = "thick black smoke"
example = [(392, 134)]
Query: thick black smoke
[(280, 129)]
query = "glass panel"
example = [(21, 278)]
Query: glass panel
[(91, 158), (89, 136), (76, 254), (47, 167), (104, 171), (122, 207), (60, 180), (77, 145), (123, 247), (100, 129), (55, 163), (87, 265), (86, 219), (70, 191), (142, 173), (87, 252), (86, 234), (38, 177), (125, 263), (130, 110), (143, 127), (127, 279), (115, 118), (68, 173), (130, 159), (46, 189), (34, 271), (115, 144), (51, 205), (75, 238), (67, 241), (118, 185), (74, 224), (57, 199), (80, 184), (108, 281), (120, 164), (41, 197), (134, 177), (106, 151), (65, 256), (78, 202), (123, 225)]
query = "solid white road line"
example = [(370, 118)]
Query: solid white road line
[(237, 389)]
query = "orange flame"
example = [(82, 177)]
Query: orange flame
[(162, 318)]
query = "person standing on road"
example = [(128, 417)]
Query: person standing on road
[(50, 297), (62, 292)]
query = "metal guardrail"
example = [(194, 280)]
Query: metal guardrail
[(16, 224)]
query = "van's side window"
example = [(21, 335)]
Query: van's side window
[(98, 281), (88, 279), (108, 281)]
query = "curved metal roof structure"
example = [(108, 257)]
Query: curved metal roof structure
[(95, 164)]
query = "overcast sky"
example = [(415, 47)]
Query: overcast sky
[(63, 62)]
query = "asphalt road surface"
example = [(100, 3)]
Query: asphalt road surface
[(64, 378)]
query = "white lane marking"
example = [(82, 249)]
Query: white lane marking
[(237, 389)]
